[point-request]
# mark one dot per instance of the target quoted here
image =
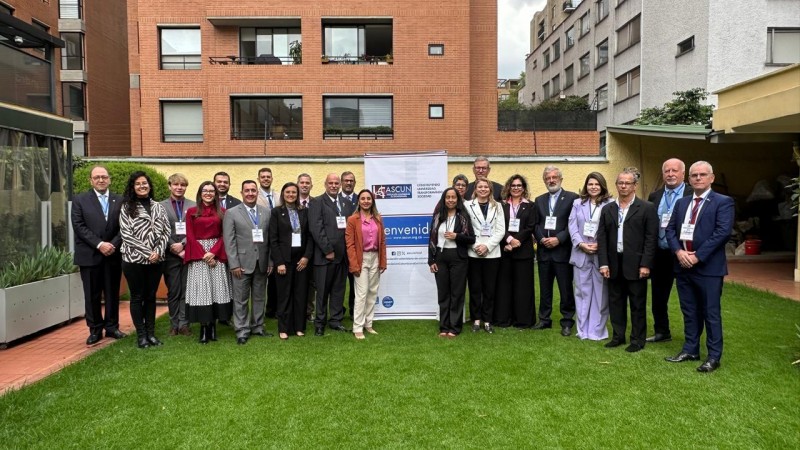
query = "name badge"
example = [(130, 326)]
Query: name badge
[(486, 229), (341, 222), (258, 235), (550, 223), (513, 225), (590, 229), (296, 239), (687, 232), (180, 228), (665, 220)]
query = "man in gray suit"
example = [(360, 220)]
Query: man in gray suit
[(244, 230), (327, 220), (173, 267)]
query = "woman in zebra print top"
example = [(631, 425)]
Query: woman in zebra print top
[(145, 230)]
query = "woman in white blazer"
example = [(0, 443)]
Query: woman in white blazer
[(488, 223)]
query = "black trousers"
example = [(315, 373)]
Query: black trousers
[(101, 282), (451, 287), (550, 271), (662, 278), (272, 296), (515, 303), (292, 292), (143, 283), (620, 292), (330, 279), (482, 287), (351, 296), (175, 278)]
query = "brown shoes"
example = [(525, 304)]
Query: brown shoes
[(184, 331)]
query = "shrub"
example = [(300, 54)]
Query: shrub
[(48, 262), (119, 172)]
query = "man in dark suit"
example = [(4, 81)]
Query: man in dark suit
[(327, 220), (481, 169), (553, 250), (268, 198), (304, 186), (222, 181), (697, 234), (95, 221), (626, 245), (673, 172), (174, 269), (348, 194)]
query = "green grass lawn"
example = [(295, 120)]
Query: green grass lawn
[(407, 388)]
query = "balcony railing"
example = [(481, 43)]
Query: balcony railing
[(363, 59), (274, 134), (361, 133), (547, 120), (252, 60)]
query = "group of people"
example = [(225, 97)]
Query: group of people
[(599, 250), (288, 255), (219, 255)]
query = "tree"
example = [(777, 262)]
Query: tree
[(685, 109), (512, 102), (568, 103)]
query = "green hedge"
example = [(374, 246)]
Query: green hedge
[(120, 171)]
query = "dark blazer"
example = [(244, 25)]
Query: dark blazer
[(327, 236), (91, 227), (527, 220), (655, 197), (712, 230), (231, 201), (353, 202), (497, 191), (172, 218), (639, 239), (563, 208), (280, 236), (465, 238)]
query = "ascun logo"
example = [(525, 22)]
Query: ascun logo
[(391, 191)]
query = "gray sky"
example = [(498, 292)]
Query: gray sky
[(513, 34)]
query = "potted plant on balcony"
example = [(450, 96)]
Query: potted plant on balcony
[(296, 52), (325, 59), (388, 58)]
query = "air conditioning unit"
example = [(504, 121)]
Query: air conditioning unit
[(568, 6)]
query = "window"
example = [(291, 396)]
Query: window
[(72, 54), (266, 118), (556, 85), (257, 44), (583, 70), (584, 24), (685, 46), (546, 56), (70, 9), (602, 10), (628, 85), (619, 2), (569, 38), (602, 53), (503, 97), (180, 48), (357, 117), (73, 97), (540, 34), (435, 49), (629, 34), (44, 27), (556, 49), (182, 121), (344, 42), (569, 76), (437, 111), (783, 45), (601, 94), (546, 90)]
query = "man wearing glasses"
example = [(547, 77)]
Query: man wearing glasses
[(95, 221), (481, 170), (626, 245)]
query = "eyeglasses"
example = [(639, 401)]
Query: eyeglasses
[(625, 183), (513, 186), (699, 175), (204, 191), (480, 169), (100, 177)]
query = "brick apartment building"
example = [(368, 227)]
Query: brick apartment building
[(211, 78)]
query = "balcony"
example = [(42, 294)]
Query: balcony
[(359, 133), (357, 41), (363, 59), (569, 6), (252, 60)]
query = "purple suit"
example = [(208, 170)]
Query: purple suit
[(591, 292)]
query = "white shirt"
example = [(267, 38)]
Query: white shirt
[(623, 213)]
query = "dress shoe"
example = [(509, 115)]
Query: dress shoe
[(184, 331), (116, 334), (94, 339), (710, 365), (173, 331), (359, 336), (476, 327), (300, 334), (613, 343), (566, 331), (371, 330), (241, 341), (658, 337), (263, 334), (319, 331), (488, 328), (154, 341), (681, 357), (633, 348), (212, 331), (451, 335), (283, 336), (442, 334), (340, 328), (203, 334), (541, 325), (143, 342)]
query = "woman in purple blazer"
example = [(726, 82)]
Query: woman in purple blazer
[(591, 292)]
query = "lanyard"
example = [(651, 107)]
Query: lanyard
[(253, 216), (514, 210), (551, 205), (294, 220), (667, 202), (178, 205)]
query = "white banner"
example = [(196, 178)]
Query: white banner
[(407, 188)]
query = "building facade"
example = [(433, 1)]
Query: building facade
[(626, 55)]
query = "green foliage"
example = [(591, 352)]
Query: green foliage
[(568, 103), (359, 130), (120, 172), (512, 102), (78, 162), (685, 109), (296, 52), (47, 263)]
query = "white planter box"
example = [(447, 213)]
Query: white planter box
[(77, 304), (32, 307)]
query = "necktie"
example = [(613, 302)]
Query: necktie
[(269, 198), (695, 208), (104, 203), (253, 216), (305, 203)]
